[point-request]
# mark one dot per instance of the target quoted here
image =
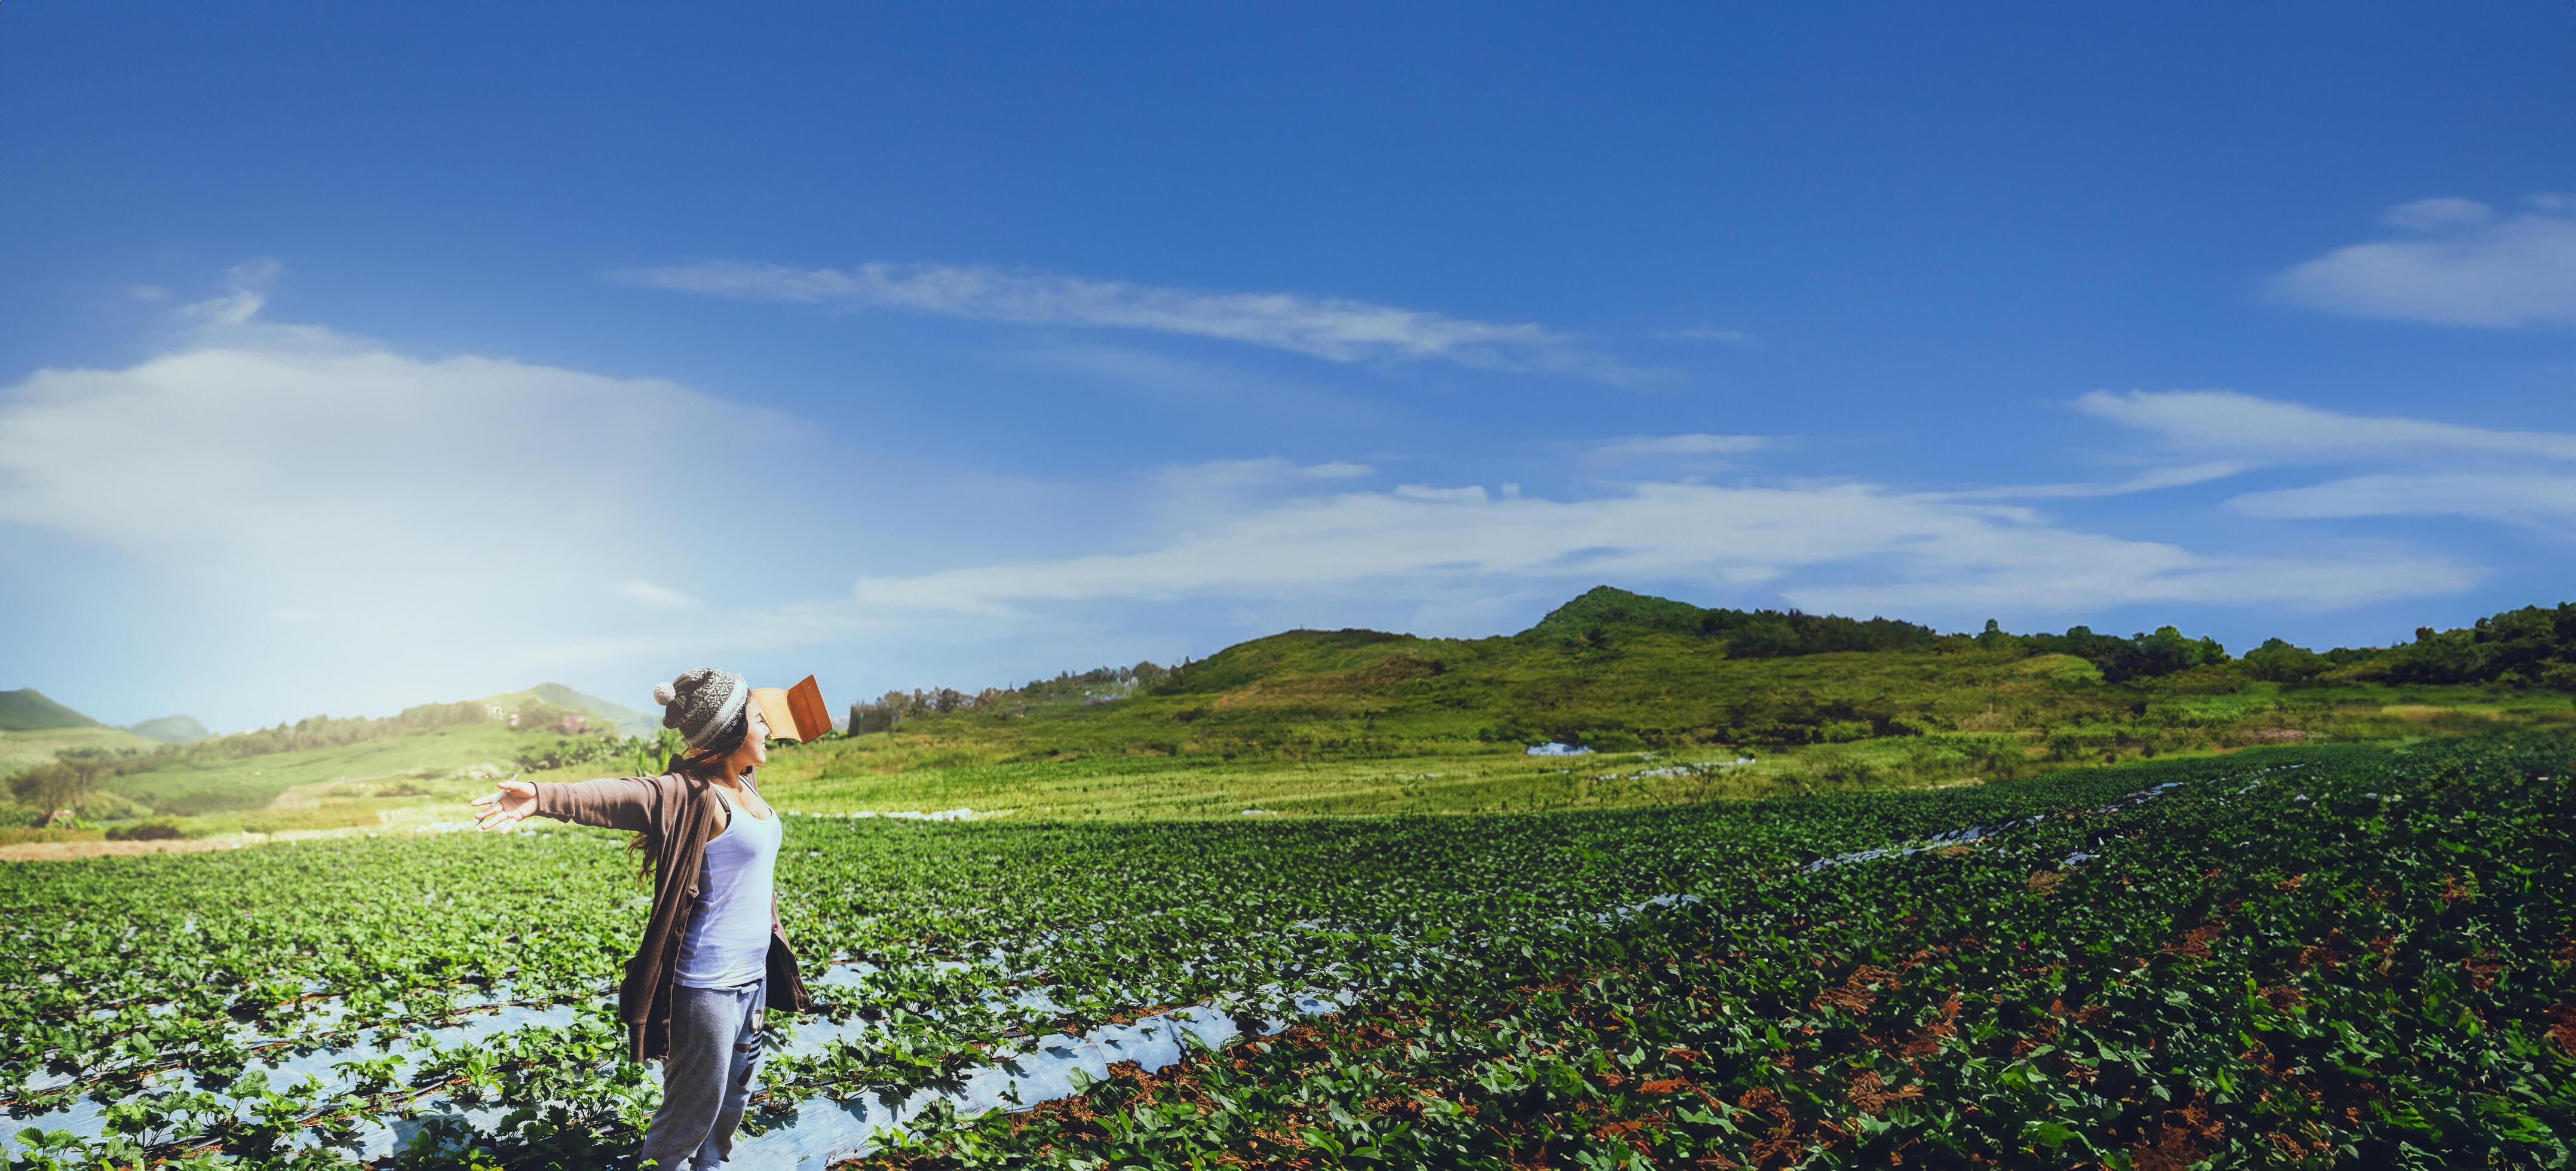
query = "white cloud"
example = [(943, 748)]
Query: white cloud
[(412, 529), (2148, 481), (1223, 475), (2083, 576), (245, 290), (1696, 446), (1469, 494), (2266, 430), (2461, 265), (661, 597), (2426, 215), (2525, 499), (1418, 540), (1237, 394), (1178, 498), (1335, 329), (2447, 469)]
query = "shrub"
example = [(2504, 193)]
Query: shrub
[(2279, 661), (148, 831), (107, 806), (1843, 731)]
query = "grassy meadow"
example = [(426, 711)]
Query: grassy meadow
[(947, 766), (1675, 704), (20, 749)]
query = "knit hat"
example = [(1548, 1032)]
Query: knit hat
[(702, 704)]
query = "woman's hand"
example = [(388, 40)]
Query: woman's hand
[(511, 802)]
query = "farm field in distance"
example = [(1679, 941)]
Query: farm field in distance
[(1674, 703), (2302, 956)]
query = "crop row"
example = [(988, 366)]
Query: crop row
[(2367, 962), (1453, 935)]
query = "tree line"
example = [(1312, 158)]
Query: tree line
[(2533, 646), (310, 732), (1097, 685)]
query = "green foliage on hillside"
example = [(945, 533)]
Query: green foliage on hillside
[(20, 751), (172, 730), (547, 703), (310, 732), (2529, 647), (1602, 611), (219, 784), (1360, 721), (1616, 670), (28, 710)]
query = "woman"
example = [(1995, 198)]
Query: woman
[(713, 955)]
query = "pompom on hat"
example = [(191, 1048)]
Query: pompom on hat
[(702, 703)]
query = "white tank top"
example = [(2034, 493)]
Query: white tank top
[(727, 944)]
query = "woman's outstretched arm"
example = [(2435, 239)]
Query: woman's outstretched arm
[(608, 802)]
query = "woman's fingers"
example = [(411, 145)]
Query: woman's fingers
[(509, 802)]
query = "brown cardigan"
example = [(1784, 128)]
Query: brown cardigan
[(676, 814)]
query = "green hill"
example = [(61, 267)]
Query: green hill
[(27, 710), (402, 762), (1823, 701), (324, 771), (1367, 721), (172, 730), (1613, 608), (628, 721)]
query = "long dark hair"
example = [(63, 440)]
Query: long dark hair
[(705, 764)]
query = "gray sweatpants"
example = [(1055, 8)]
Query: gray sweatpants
[(715, 1047)]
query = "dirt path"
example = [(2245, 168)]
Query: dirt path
[(67, 851)]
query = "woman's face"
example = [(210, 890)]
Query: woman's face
[(754, 750)]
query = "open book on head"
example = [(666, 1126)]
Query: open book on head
[(794, 713)]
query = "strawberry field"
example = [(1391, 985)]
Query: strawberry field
[(2346, 956)]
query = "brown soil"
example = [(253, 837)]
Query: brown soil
[(69, 851), (2178, 1140)]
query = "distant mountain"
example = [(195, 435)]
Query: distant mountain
[(629, 721), (27, 710), (172, 729)]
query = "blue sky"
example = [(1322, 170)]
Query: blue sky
[(356, 356)]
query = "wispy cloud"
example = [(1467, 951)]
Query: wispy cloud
[(2459, 263), (2445, 469), (245, 290), (1932, 554), (1335, 329), (661, 597), (2148, 481), (2271, 431), (2545, 501), (1190, 382), (1695, 446)]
